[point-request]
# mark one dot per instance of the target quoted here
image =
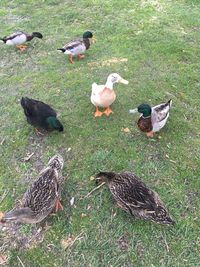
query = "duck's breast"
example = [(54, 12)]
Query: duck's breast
[(103, 97)]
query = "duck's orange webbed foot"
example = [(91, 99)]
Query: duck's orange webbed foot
[(22, 47), (58, 206), (150, 134), (81, 56), (108, 111), (71, 59), (98, 113)]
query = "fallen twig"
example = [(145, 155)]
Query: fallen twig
[(76, 238), (2, 141), (94, 190), (27, 158), (4, 195), (20, 261)]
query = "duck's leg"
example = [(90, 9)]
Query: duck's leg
[(22, 47), (58, 206), (108, 111), (150, 134), (81, 56), (98, 113), (38, 131), (71, 59)]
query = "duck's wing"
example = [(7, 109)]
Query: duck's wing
[(36, 108), (43, 193), (14, 35), (160, 112), (75, 47), (131, 192), (96, 89)]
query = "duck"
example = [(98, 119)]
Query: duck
[(133, 196), (19, 38), (78, 47), (40, 115), (104, 95), (42, 197), (152, 119)]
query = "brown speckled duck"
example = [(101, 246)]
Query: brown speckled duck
[(134, 197), (42, 197), (153, 119)]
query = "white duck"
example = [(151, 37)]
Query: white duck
[(104, 95)]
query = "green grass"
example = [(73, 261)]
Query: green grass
[(161, 41)]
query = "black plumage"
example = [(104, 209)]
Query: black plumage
[(40, 115)]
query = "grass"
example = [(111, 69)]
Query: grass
[(161, 40)]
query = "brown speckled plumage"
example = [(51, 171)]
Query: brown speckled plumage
[(40, 199), (134, 197)]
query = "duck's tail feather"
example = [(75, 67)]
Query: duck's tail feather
[(61, 50), (170, 103), (17, 214), (2, 40)]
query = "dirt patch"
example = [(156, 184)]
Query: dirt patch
[(123, 242), (156, 4), (108, 62), (16, 236)]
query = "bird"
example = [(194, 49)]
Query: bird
[(134, 197), (40, 115), (19, 38), (153, 119), (42, 197), (104, 95), (78, 47)]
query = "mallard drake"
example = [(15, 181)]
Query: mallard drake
[(77, 47), (153, 119), (42, 196), (104, 95), (40, 115), (134, 197), (19, 38)]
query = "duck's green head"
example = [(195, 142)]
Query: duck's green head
[(54, 123), (87, 35), (145, 109), (37, 34)]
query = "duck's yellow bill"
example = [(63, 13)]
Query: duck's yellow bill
[(94, 39), (123, 81)]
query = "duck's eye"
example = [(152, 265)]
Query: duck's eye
[(114, 79)]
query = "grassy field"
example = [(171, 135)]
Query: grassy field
[(155, 45)]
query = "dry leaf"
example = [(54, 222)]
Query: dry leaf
[(72, 201), (92, 178), (83, 215), (67, 242), (126, 130), (3, 259), (1, 215)]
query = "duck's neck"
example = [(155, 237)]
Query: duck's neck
[(86, 42), (109, 84)]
